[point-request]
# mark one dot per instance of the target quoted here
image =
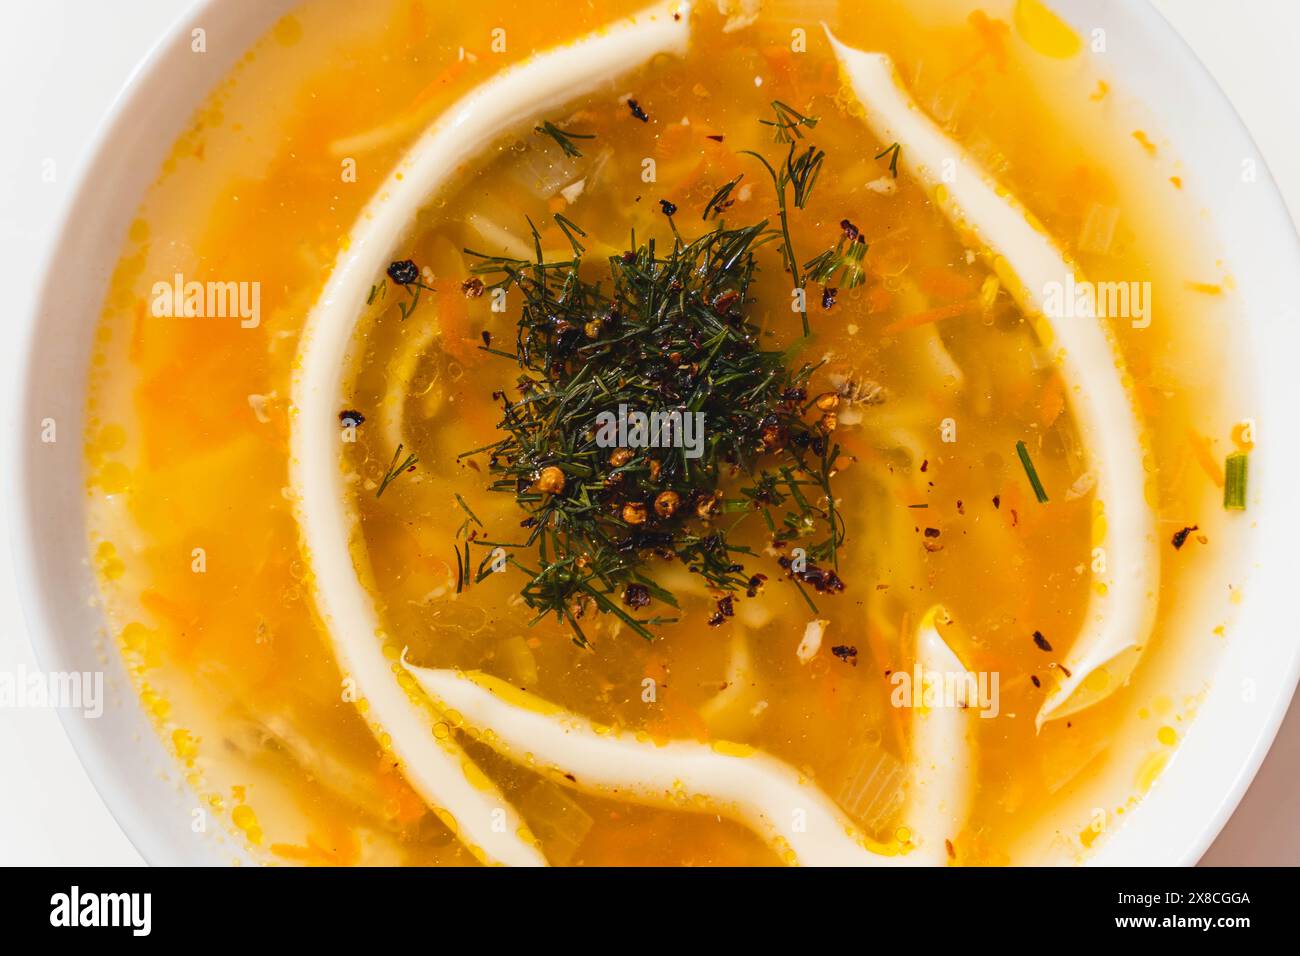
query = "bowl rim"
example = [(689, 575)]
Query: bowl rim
[(116, 784), (1162, 804), (38, 592)]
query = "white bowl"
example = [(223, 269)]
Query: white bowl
[(1219, 754)]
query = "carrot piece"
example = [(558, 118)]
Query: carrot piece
[(949, 311), (453, 319), (674, 141), (943, 284), (436, 85), (1052, 402)]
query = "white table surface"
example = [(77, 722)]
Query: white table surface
[(62, 62)]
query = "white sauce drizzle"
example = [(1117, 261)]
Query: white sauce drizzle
[(753, 788), (1125, 561), (436, 768)]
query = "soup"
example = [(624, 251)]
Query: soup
[(686, 436)]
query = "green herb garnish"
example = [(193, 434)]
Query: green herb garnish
[(798, 175), (787, 122), (395, 470), (406, 274), (893, 149), (722, 200), (662, 331), (470, 516), (845, 258), (565, 138), (1234, 481), (1032, 472)]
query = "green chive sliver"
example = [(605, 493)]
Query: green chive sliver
[(1032, 472), (1234, 482)]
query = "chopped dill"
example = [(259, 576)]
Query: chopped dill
[(465, 508), (787, 122), (722, 200), (564, 138), (892, 152), (571, 231), (395, 470), (665, 328), (464, 578), (845, 258), (797, 176)]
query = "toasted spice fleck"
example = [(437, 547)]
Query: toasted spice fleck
[(1180, 537), (1041, 641), (707, 504), (637, 112), (725, 609), (551, 480), (404, 272), (666, 503), (669, 208), (847, 653), (636, 596), (824, 580), (1034, 679)]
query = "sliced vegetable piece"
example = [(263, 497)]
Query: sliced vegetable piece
[(1234, 481)]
